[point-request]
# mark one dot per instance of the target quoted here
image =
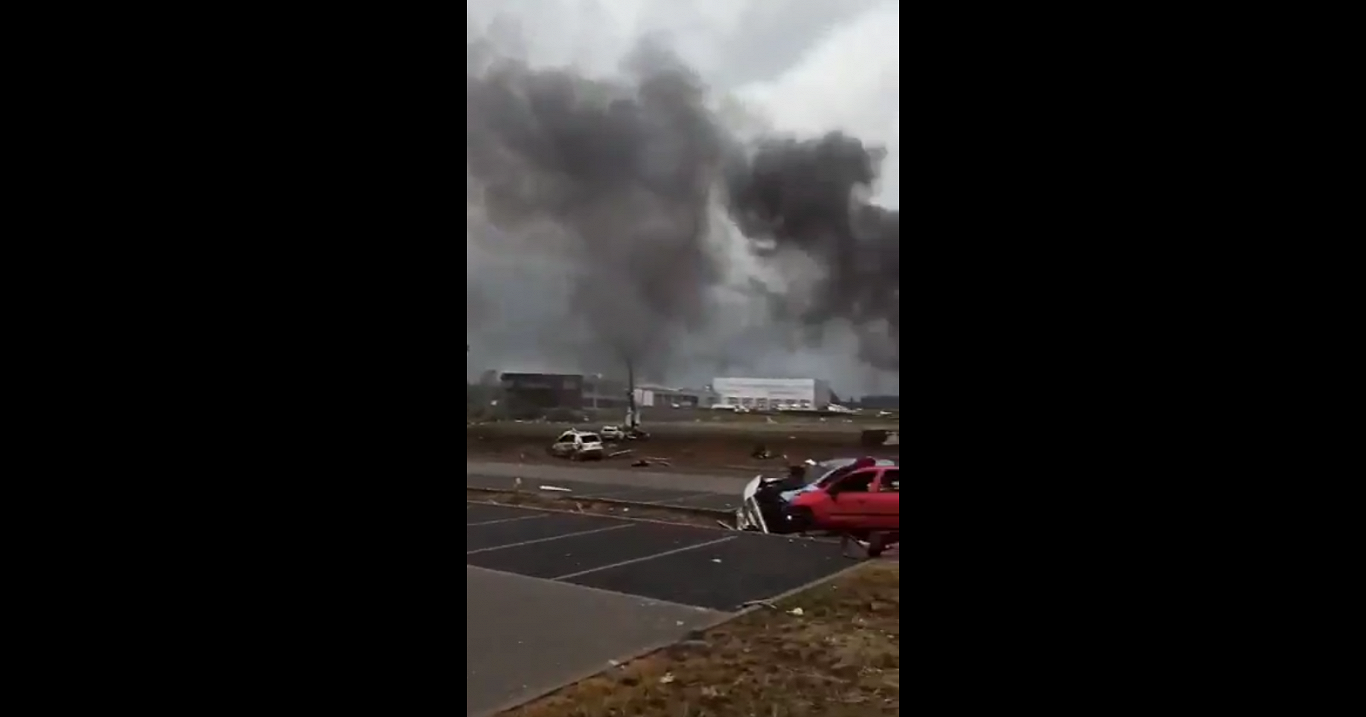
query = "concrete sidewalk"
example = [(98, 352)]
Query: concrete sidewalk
[(525, 636)]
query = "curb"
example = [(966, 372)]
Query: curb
[(687, 510)]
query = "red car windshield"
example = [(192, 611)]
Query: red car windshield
[(832, 476)]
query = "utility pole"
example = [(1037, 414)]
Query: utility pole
[(632, 414)]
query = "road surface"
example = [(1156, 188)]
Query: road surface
[(635, 478)]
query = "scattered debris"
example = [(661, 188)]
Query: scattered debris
[(625, 452), (667, 679), (647, 462), (716, 560), (796, 611), (762, 453), (555, 489), (758, 603)]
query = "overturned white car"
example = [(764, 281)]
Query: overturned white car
[(776, 504)]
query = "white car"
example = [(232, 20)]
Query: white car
[(577, 446), (613, 433)]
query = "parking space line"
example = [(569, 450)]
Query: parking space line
[(507, 520), (553, 537), (647, 557)]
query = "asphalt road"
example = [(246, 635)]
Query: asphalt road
[(665, 497), (624, 477)]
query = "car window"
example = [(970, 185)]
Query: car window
[(591, 438), (565, 438), (833, 471), (860, 482), (891, 480)]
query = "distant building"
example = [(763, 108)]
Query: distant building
[(600, 392), (771, 394), (663, 396), (543, 390)]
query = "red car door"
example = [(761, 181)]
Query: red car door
[(850, 504), (885, 500)]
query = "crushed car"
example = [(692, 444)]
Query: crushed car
[(851, 496), (577, 445)]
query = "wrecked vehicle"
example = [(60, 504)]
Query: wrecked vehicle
[(577, 446), (846, 495), (613, 433)]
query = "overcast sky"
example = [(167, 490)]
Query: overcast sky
[(794, 66)]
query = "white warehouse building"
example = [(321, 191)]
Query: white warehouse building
[(772, 393)]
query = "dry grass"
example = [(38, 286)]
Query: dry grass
[(592, 507), (840, 658)]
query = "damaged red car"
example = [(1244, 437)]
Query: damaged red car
[(861, 498)]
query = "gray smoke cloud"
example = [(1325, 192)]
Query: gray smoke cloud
[(603, 216)]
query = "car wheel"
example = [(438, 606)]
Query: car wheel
[(877, 542)]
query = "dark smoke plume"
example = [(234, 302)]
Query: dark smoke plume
[(622, 187)]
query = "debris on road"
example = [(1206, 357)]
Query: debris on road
[(555, 489), (625, 452)]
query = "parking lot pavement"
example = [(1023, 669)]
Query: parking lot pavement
[(663, 496), (713, 569)]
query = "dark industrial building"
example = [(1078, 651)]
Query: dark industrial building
[(542, 391)]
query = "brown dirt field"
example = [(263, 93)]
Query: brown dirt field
[(840, 657), (686, 448)]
